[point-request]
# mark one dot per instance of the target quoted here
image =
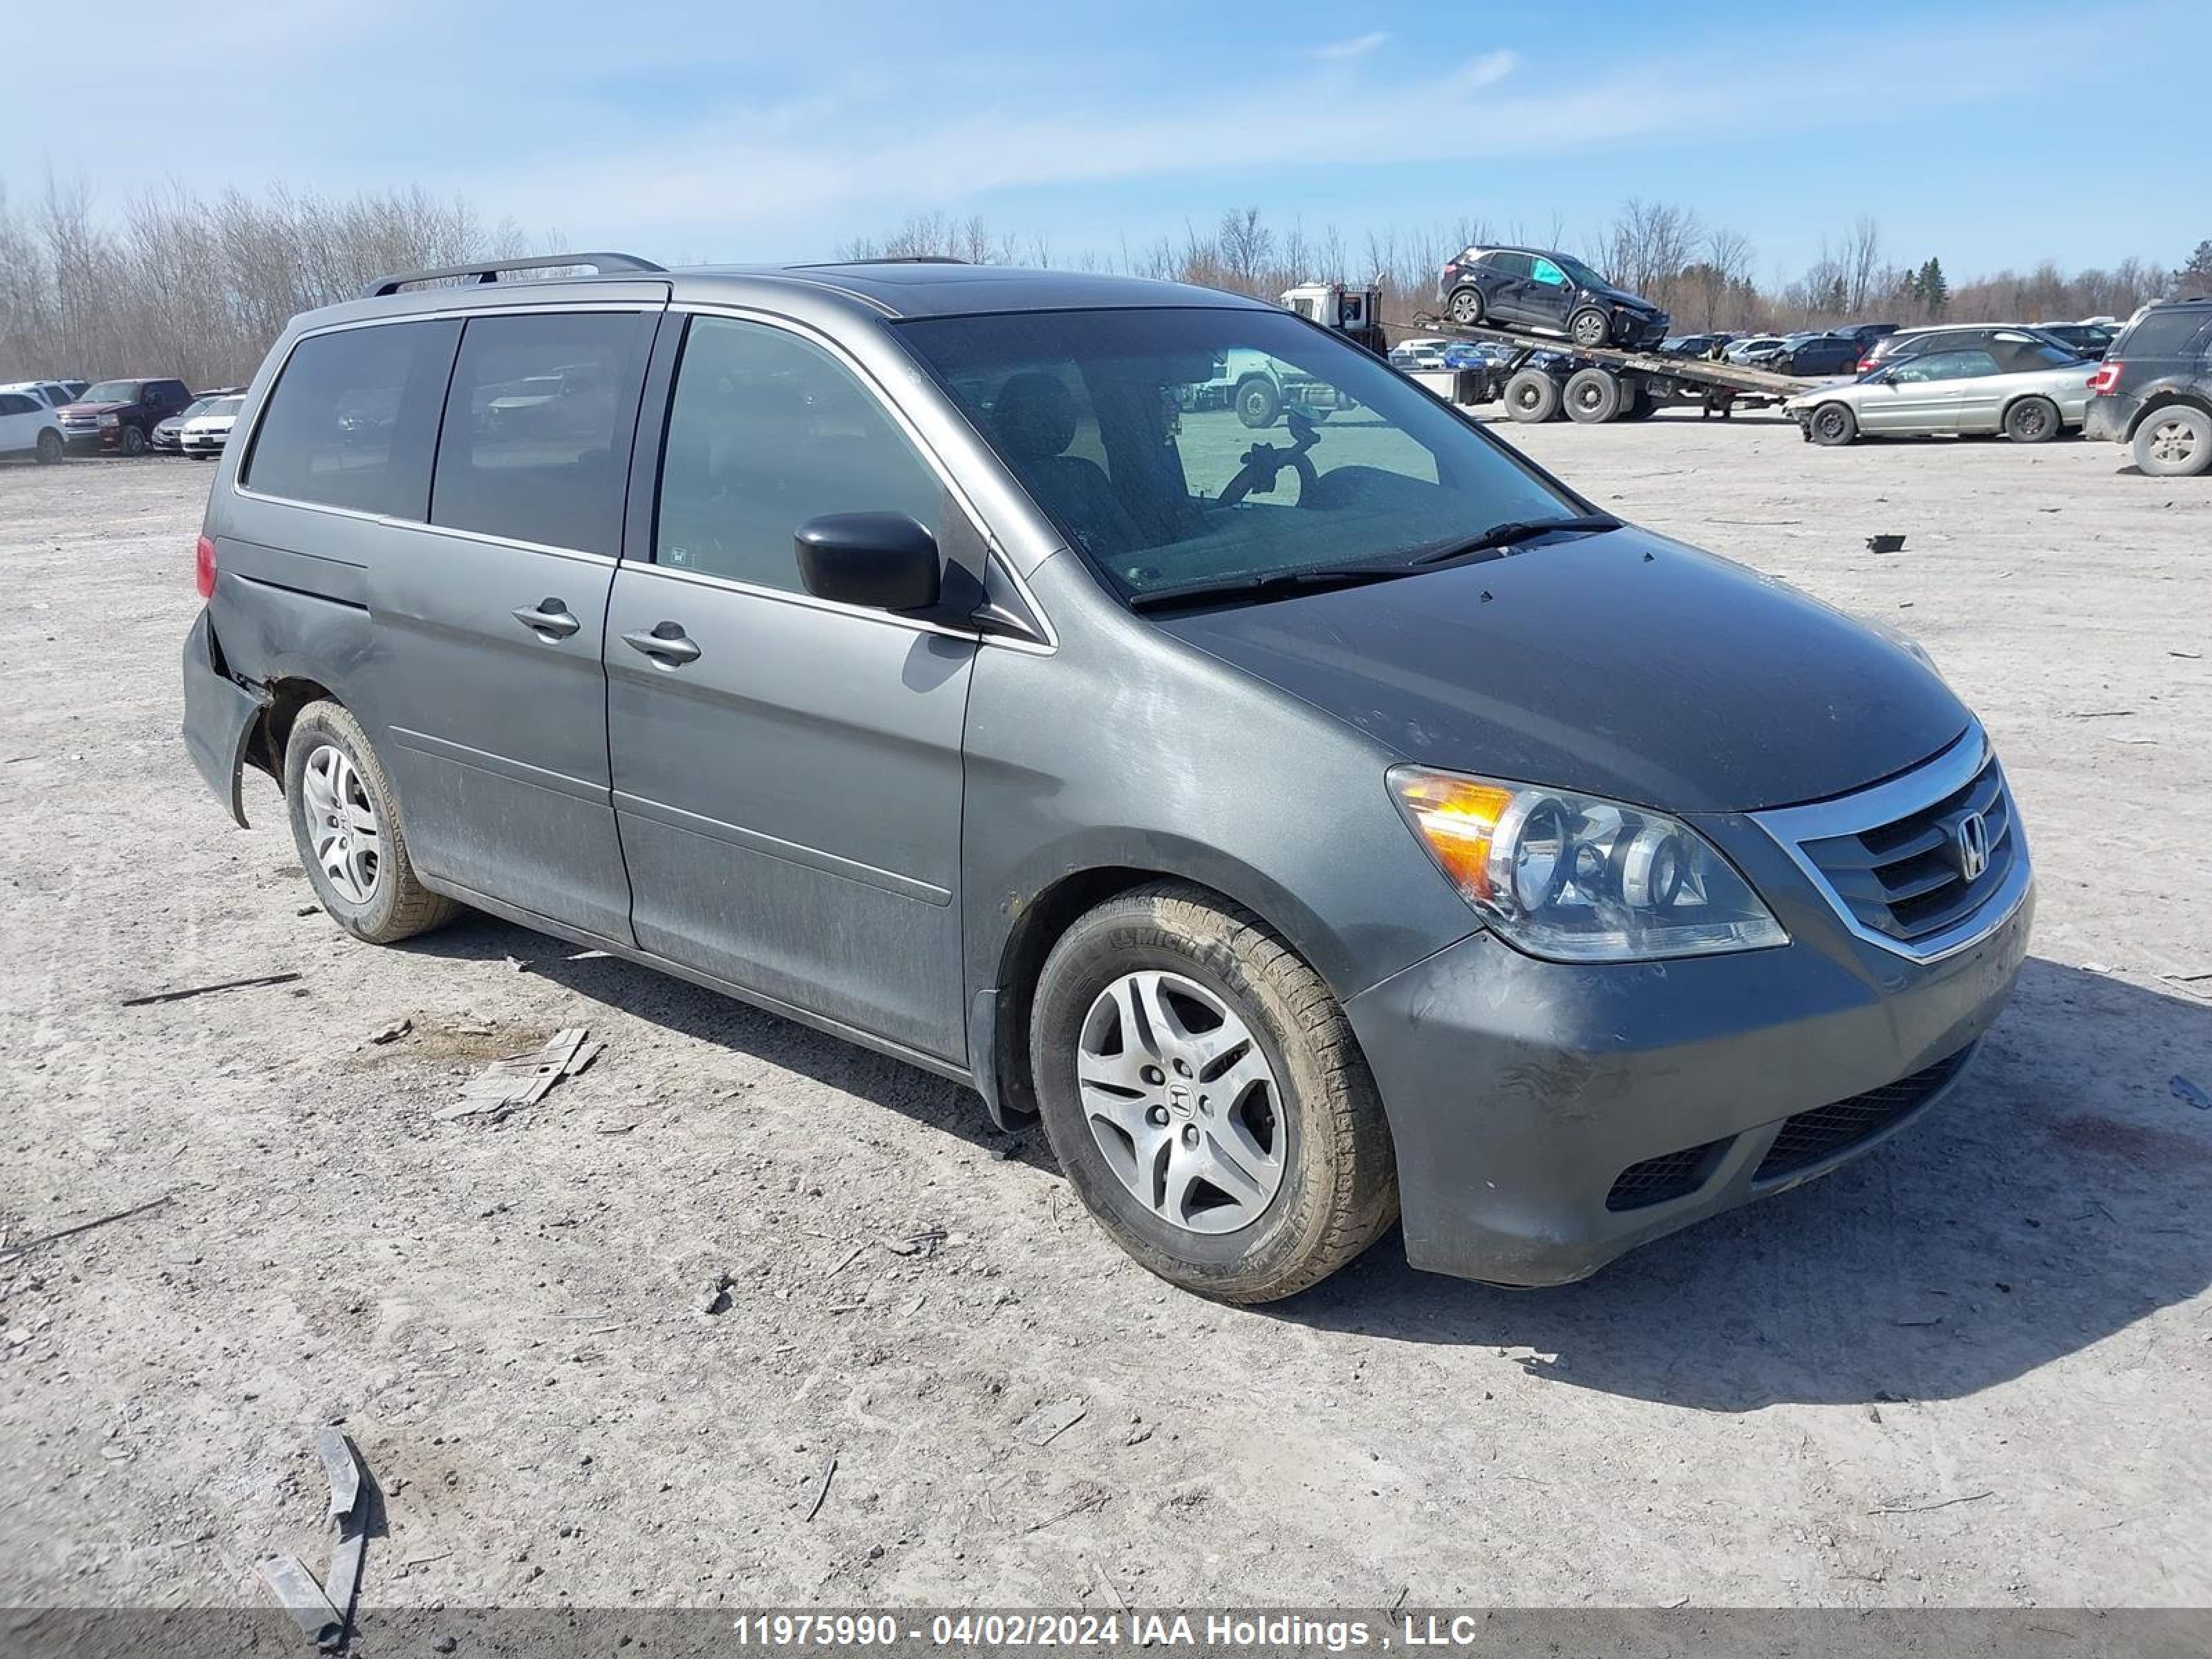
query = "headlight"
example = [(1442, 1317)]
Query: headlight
[(107, 420), (1578, 879)]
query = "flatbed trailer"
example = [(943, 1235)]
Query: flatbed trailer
[(1589, 383)]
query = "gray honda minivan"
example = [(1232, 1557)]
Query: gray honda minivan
[(1312, 826)]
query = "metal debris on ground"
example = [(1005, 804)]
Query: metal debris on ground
[(392, 1033), (208, 990), (519, 1080), (923, 1243), (1052, 1419), (714, 1297), (821, 1487), (1885, 543), (2187, 1089), (30, 1244), (322, 1610)]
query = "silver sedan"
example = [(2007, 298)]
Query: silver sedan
[(2031, 391)]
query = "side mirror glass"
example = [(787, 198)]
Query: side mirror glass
[(885, 561)]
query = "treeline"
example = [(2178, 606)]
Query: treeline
[(1703, 274), (179, 283)]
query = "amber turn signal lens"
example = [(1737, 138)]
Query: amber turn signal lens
[(1457, 817)]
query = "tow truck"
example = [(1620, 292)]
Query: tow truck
[(1539, 377)]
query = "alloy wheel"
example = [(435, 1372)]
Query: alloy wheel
[(341, 824), (2173, 442), (1181, 1101)]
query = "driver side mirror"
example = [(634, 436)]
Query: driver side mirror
[(885, 561)]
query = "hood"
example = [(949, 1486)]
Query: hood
[(90, 409), (1621, 296), (1622, 664)]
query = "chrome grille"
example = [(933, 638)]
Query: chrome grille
[(1925, 863), (1907, 878)]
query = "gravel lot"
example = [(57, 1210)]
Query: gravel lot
[(1974, 1369)]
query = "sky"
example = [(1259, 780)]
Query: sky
[(1988, 134)]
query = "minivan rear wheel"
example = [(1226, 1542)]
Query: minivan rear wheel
[(345, 824), (1202, 1090), (2174, 442)]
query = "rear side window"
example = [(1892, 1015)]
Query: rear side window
[(14, 402), (354, 419), (535, 446), (767, 431), (2021, 356), (2164, 334), (1513, 264)]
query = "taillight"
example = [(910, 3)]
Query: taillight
[(2106, 379), (204, 565), (1866, 362)]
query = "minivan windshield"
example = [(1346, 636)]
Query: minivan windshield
[(1198, 448)]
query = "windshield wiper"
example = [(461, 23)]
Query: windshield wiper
[(1518, 530), (1279, 584)]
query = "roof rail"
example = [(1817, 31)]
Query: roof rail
[(488, 271), (902, 259)]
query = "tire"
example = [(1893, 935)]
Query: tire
[(390, 904), (1593, 396), (2032, 420), (2174, 442), (50, 448), (1258, 403), (1589, 327), (133, 440), (1832, 424), (1465, 307), (1334, 1187), (1532, 396)]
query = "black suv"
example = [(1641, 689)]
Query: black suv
[(1552, 293), (2154, 389), (120, 415)]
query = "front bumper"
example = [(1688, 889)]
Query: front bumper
[(1638, 332), (1548, 1117), (87, 440)]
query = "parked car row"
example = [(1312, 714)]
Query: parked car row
[(48, 419)]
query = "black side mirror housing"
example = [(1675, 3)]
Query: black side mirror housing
[(885, 561)]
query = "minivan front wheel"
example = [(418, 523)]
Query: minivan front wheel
[(346, 828), (49, 448), (1202, 1090)]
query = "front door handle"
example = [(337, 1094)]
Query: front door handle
[(548, 617), (666, 643)]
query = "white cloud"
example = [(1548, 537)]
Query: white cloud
[(1358, 46)]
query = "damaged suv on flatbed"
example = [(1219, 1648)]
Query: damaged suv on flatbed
[(1310, 831)]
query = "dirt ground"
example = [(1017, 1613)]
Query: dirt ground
[(1975, 1368)]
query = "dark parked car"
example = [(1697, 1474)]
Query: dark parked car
[(1552, 293), (1308, 831), (1867, 334), (2088, 341), (1997, 338), (1693, 345), (2153, 389), (1825, 355), (121, 415)]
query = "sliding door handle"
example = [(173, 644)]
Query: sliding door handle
[(666, 644)]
